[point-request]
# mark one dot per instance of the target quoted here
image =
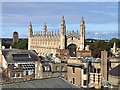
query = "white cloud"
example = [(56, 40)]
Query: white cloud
[(97, 33)]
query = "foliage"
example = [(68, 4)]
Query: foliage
[(99, 46), (23, 44), (6, 44), (117, 41)]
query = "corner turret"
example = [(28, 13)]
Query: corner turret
[(82, 34), (30, 30), (63, 34), (45, 28)]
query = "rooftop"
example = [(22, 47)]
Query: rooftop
[(115, 71), (18, 55), (87, 59), (42, 83)]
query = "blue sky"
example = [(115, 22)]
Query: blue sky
[(101, 18)]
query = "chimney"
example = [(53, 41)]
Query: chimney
[(10, 47), (3, 47), (104, 64)]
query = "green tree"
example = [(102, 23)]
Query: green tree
[(117, 41), (99, 46), (7, 45), (23, 44)]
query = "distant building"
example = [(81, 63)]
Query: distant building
[(18, 65), (15, 37), (50, 42)]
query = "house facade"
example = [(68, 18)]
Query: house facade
[(18, 65)]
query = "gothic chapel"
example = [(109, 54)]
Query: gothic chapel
[(49, 42)]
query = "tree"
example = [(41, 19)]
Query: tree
[(99, 46), (23, 44), (117, 41), (6, 44)]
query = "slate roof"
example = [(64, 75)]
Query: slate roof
[(115, 71), (18, 55), (42, 83)]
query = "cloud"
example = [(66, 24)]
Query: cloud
[(96, 33), (38, 12), (98, 16)]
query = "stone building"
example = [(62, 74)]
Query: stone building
[(50, 68), (114, 77), (15, 37), (50, 42), (84, 72), (18, 65), (74, 71)]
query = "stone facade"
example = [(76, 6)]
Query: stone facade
[(74, 71), (17, 65), (48, 42), (79, 74), (47, 69), (114, 81)]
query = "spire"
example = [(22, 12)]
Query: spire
[(41, 33), (63, 21), (62, 17), (82, 34), (45, 24), (82, 20), (55, 31), (52, 33), (63, 34), (45, 28), (30, 31), (30, 25)]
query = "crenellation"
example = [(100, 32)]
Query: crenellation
[(48, 41)]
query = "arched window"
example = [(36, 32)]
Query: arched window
[(72, 50)]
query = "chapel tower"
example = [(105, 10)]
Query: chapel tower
[(45, 28), (63, 34), (30, 33), (82, 34)]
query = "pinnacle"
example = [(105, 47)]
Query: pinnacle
[(82, 18), (63, 17)]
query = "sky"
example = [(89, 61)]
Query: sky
[(101, 18)]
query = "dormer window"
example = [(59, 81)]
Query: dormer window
[(21, 55), (46, 68)]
